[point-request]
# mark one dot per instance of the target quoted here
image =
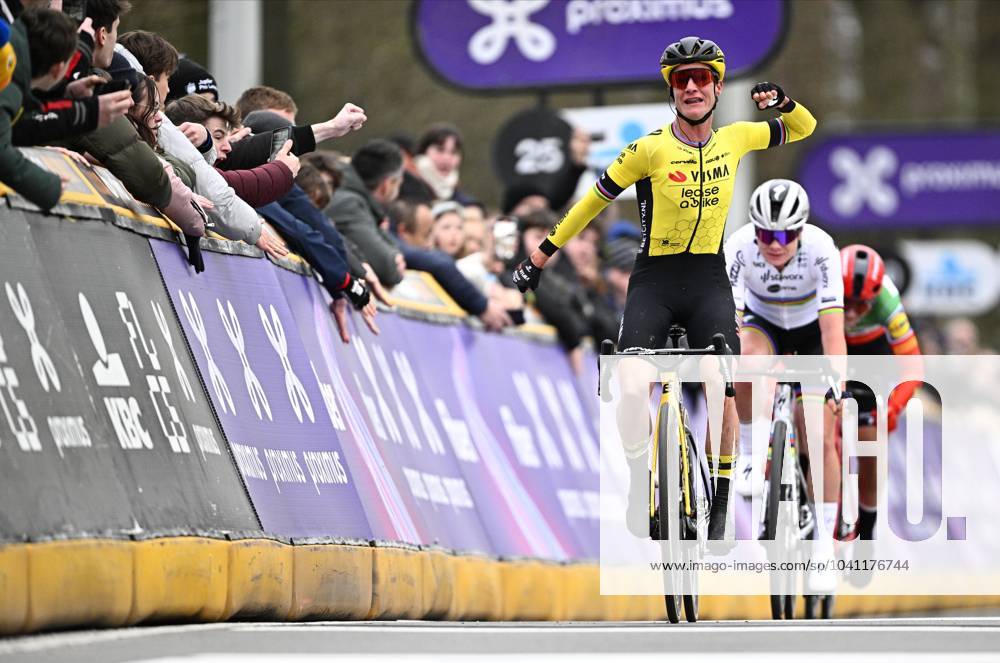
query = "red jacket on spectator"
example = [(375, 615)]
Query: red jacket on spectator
[(261, 185)]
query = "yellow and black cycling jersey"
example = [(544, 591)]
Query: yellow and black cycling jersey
[(684, 189)]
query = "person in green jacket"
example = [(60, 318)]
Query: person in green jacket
[(36, 184)]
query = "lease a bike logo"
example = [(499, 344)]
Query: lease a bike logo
[(865, 181), (511, 22)]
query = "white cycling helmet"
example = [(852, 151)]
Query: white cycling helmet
[(779, 205)]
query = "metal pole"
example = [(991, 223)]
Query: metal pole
[(234, 45)]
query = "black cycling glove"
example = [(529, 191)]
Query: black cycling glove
[(357, 293), (194, 253), (772, 87), (527, 275)]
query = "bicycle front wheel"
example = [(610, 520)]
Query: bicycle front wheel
[(778, 436), (670, 532)]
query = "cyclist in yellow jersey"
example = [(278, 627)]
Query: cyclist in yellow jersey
[(684, 175)]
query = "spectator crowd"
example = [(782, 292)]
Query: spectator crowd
[(250, 172), (246, 170)]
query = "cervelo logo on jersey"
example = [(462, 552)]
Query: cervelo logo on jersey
[(511, 22), (865, 181)]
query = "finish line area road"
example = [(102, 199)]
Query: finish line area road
[(888, 640)]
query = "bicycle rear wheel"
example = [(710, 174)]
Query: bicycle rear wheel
[(689, 522)]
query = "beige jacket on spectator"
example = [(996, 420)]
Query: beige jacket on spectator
[(233, 218)]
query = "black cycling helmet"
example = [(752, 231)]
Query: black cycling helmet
[(692, 50)]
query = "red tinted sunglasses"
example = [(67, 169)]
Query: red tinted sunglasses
[(701, 77), (784, 237)]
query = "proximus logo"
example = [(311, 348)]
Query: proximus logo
[(865, 181), (510, 22)]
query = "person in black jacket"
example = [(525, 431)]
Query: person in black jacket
[(76, 104), (55, 43)]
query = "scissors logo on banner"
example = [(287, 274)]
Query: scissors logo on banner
[(510, 22), (865, 180), (235, 332), (193, 315), (161, 322), (39, 355), (276, 335)]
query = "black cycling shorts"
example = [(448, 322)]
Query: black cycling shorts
[(686, 289), (805, 340)]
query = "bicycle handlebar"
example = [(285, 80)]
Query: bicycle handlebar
[(719, 347)]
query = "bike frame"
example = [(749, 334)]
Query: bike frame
[(671, 399)]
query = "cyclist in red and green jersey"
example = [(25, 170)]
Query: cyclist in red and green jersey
[(875, 323)]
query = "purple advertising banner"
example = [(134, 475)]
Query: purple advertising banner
[(268, 400), (520, 44), (425, 433), (392, 434), (530, 403), (896, 179)]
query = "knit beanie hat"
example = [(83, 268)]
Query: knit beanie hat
[(191, 78)]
